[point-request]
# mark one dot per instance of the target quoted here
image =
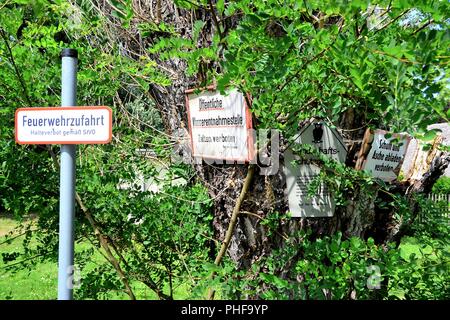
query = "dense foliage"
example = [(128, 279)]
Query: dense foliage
[(442, 185), (381, 65)]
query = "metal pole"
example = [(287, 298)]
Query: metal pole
[(67, 182)]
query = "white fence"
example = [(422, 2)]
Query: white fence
[(444, 200)]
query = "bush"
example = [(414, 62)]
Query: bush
[(442, 185), (333, 268)]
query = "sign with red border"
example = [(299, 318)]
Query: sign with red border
[(63, 125), (220, 125)]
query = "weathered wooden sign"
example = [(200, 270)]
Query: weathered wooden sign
[(299, 175), (418, 160), (219, 125), (385, 157)]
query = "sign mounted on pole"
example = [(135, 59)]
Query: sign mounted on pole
[(63, 125), (220, 125), (299, 175), (68, 126), (385, 157)]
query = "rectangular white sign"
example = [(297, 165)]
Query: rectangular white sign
[(219, 126), (63, 125), (385, 157), (298, 179)]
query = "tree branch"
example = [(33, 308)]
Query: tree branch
[(303, 66), (18, 74), (104, 243), (216, 22), (422, 27), (233, 220), (8, 240), (7, 266), (392, 21)]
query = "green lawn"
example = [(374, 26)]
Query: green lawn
[(6, 225), (41, 281)]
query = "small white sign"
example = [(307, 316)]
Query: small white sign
[(300, 175), (385, 157), (63, 125), (219, 126)]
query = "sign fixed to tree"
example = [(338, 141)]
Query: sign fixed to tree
[(386, 154), (63, 125), (220, 125), (301, 173)]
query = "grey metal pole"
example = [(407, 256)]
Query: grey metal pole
[(67, 182)]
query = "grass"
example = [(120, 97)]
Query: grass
[(6, 225), (40, 283)]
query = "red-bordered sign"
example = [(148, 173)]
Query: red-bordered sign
[(63, 125), (220, 127)]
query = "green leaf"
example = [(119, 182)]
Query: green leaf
[(396, 51), (356, 77), (398, 293), (220, 6), (430, 135), (198, 25), (334, 247), (210, 267)]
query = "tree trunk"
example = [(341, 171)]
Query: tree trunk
[(266, 197)]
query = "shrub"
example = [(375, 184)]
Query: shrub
[(442, 185)]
